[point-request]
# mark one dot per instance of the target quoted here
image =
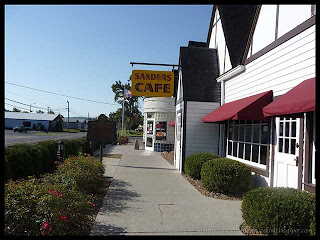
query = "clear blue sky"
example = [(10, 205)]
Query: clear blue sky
[(81, 50)]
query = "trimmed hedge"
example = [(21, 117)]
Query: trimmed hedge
[(279, 211), (23, 160), (225, 175), (195, 161)]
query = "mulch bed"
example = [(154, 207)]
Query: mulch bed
[(199, 186), (169, 156), (113, 155)]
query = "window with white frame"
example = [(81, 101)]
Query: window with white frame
[(248, 140)]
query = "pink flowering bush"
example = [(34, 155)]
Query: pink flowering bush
[(59, 203)]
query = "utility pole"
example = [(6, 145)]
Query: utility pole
[(68, 116), (30, 106), (123, 112)]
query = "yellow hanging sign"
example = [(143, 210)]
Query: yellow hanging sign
[(152, 83)]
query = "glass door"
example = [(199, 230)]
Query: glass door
[(150, 135)]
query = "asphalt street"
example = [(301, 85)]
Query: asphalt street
[(12, 138)]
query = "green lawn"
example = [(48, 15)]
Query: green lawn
[(131, 133), (71, 130), (50, 133)]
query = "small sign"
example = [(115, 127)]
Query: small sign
[(161, 130), (152, 83), (102, 130)]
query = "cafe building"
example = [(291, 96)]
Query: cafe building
[(267, 74), (158, 135)]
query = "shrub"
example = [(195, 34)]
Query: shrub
[(56, 204), (34, 127), (195, 161), (279, 211), (23, 160), (226, 176)]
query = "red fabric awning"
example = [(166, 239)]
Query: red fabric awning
[(172, 123), (249, 108), (301, 98)]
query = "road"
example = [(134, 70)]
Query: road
[(30, 137)]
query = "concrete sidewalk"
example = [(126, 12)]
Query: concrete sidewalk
[(149, 197)]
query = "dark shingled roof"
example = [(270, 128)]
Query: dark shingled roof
[(200, 69), (237, 21), (197, 44)]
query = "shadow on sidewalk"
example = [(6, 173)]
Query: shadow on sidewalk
[(107, 229), (148, 167), (118, 197)]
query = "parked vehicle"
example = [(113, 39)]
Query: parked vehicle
[(20, 128)]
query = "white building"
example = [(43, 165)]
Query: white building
[(267, 54), (158, 113), (198, 93), (13, 119)]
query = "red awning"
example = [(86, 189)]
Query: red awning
[(172, 123), (301, 98), (249, 108)]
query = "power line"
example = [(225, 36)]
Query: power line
[(24, 103), (55, 109), (83, 99), (16, 106)]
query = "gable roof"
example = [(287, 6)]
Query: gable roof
[(237, 21), (199, 68), (31, 116)]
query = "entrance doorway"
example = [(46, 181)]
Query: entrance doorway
[(150, 135), (286, 152)]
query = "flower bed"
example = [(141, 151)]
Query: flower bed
[(60, 203)]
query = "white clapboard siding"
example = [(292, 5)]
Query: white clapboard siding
[(279, 70), (201, 137)]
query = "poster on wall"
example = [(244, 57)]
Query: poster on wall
[(161, 130)]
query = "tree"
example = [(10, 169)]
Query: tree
[(6, 110), (39, 111), (16, 109), (131, 105), (51, 112)]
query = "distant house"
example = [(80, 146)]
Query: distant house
[(75, 123), (13, 119)]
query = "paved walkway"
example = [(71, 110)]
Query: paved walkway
[(148, 196)]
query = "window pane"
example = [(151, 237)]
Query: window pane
[(263, 155), (281, 129), (242, 121), (235, 133), (248, 133), (248, 122), (293, 129), (247, 151), (280, 144), (235, 146), (287, 128), (241, 136), (286, 145), (255, 153), (264, 134), (256, 121), (293, 146), (229, 147), (230, 132), (281, 118), (256, 130), (241, 146)]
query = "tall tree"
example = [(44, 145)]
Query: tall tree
[(16, 109), (131, 105), (39, 111)]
